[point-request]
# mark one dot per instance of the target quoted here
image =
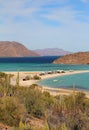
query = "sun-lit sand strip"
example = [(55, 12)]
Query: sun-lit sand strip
[(22, 75), (53, 91), (60, 91), (62, 74)]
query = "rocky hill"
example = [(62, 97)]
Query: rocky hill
[(76, 58), (51, 52), (14, 49)]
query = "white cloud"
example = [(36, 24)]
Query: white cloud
[(64, 15), (24, 7), (13, 8), (85, 1)]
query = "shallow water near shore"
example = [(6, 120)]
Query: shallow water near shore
[(40, 67), (79, 81)]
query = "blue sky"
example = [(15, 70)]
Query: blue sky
[(46, 23)]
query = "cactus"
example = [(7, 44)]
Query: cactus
[(74, 96), (17, 80), (6, 85)]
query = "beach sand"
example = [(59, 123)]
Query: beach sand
[(53, 91)]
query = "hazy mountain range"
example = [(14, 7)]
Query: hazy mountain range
[(51, 52), (15, 49)]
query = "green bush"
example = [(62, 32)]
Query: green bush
[(11, 111), (27, 78), (3, 75), (34, 103), (36, 77), (60, 112)]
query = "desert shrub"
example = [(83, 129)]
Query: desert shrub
[(34, 103), (70, 110), (2, 75), (17, 128), (11, 111), (5, 85), (27, 78), (61, 112), (30, 97), (33, 86), (36, 77), (34, 100), (47, 99)]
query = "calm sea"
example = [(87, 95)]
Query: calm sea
[(36, 64), (45, 64), (80, 81)]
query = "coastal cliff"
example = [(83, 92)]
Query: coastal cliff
[(14, 49), (75, 58)]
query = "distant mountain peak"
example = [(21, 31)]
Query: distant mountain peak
[(51, 52)]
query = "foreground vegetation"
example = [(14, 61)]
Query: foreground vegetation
[(21, 108)]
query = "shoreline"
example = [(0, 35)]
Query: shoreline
[(65, 91), (53, 91)]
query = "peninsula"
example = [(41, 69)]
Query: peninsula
[(75, 58)]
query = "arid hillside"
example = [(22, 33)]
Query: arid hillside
[(14, 49), (76, 58)]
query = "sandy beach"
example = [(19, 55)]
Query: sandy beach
[(53, 91)]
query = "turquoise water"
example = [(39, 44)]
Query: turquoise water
[(80, 81), (39, 67), (36, 64)]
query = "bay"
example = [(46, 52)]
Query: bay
[(36, 64), (79, 81)]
